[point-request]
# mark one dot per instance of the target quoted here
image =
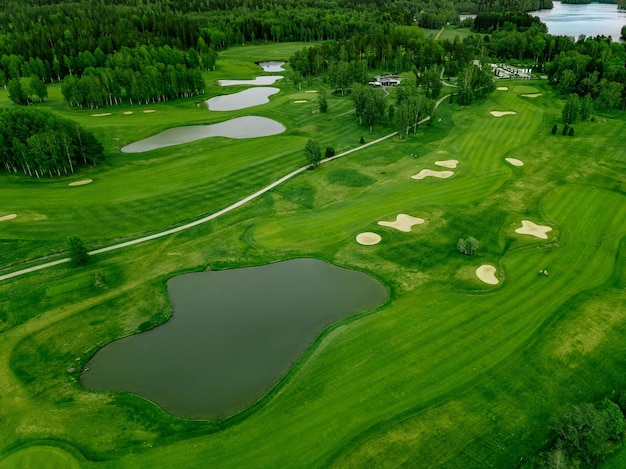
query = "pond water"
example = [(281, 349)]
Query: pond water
[(240, 127), (243, 99), (591, 19), (272, 66), (232, 336), (263, 81)]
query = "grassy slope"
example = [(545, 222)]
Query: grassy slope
[(137, 193), (450, 372)]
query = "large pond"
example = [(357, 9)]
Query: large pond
[(258, 81), (591, 19), (243, 99), (240, 127), (232, 336)]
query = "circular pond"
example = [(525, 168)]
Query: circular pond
[(233, 334), (240, 127)]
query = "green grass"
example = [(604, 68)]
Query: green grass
[(49, 457), (450, 372)]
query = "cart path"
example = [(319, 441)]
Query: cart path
[(213, 216), (200, 221)]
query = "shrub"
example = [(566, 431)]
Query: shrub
[(362, 141), (77, 250), (571, 132), (330, 152), (468, 246), (554, 129), (565, 129)]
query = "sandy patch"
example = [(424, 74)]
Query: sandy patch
[(8, 217), (502, 88), (487, 274), (147, 111), (311, 91), (515, 161), (101, 115), (300, 101), (447, 163), (531, 95), (530, 228), (81, 183), (368, 238), (429, 172), (403, 222), (128, 113), (502, 113)]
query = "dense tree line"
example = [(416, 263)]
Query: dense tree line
[(482, 6), (489, 22), (52, 39), (38, 143), (140, 75), (594, 67)]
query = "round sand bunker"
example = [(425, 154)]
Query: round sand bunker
[(502, 113), (487, 273), (300, 101), (8, 217), (403, 222), (368, 238), (502, 88), (311, 91), (429, 172), (101, 115), (530, 228), (514, 161), (81, 183), (148, 111), (531, 95), (128, 113), (451, 164)]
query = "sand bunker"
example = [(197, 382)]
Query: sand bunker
[(403, 222), (531, 95), (368, 238), (447, 163), (502, 113), (515, 161), (300, 101), (311, 91), (502, 88), (81, 183), (429, 172), (487, 274), (8, 217), (128, 112), (147, 111), (530, 228), (101, 115)]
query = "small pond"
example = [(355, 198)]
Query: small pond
[(272, 66), (258, 81), (240, 127), (232, 336), (243, 99)]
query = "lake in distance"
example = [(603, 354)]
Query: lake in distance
[(591, 19)]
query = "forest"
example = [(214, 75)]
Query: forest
[(37, 143)]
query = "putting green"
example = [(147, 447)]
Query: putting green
[(43, 457)]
